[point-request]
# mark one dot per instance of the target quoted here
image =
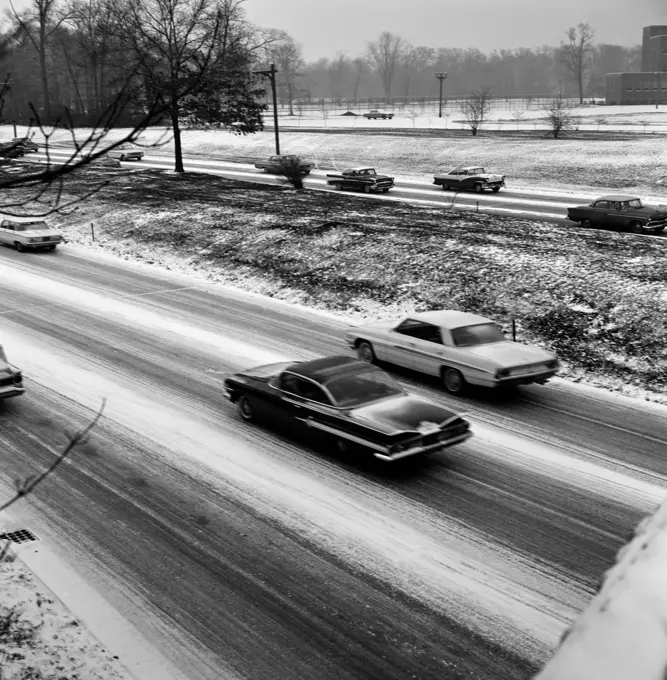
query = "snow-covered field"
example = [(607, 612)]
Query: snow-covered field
[(621, 634)]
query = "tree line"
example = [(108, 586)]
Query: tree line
[(392, 67)]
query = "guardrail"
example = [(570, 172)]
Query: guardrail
[(622, 634)]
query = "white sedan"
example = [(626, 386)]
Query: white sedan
[(459, 348), (28, 233)]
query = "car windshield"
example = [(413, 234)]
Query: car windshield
[(479, 334), (635, 203), (362, 388), (28, 226)]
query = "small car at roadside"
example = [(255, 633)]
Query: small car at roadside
[(622, 212), (457, 347), (472, 178), (377, 113), (279, 164), (27, 143), (11, 379), (349, 402), (11, 150), (126, 152), (28, 233)]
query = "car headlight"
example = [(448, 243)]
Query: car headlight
[(33, 240)]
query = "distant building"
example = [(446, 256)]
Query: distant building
[(649, 86)]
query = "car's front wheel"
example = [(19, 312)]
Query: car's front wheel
[(246, 410), (19, 246), (453, 380), (478, 188), (495, 190), (367, 188), (636, 227), (366, 353)]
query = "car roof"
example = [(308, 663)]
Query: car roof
[(450, 318), (18, 218), (617, 197), (322, 370), (359, 167)]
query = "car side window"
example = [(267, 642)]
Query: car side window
[(601, 204), (313, 392), (420, 330)]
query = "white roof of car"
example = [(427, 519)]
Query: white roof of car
[(18, 218), (450, 318)]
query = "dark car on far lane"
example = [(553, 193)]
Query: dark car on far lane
[(621, 212), (350, 402)]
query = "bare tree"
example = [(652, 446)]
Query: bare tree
[(384, 56), (576, 55), (287, 55), (476, 107), (359, 69), (560, 116), (38, 23), (177, 48), (339, 71)]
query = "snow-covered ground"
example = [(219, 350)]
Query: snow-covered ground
[(40, 633), (622, 634)]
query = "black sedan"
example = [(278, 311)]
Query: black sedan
[(351, 401)]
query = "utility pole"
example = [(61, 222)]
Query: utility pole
[(441, 77), (271, 75)]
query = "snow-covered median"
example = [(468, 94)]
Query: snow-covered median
[(622, 634)]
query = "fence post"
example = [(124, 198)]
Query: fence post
[(92, 230), (477, 207), (513, 330)]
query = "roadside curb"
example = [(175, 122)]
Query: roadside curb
[(119, 637)]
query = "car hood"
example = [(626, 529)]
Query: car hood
[(648, 211), (376, 177), (402, 413), (508, 354)]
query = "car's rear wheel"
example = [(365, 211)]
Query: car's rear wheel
[(453, 380), (338, 186), (478, 188), (636, 227), (52, 247), (365, 352), (246, 410), (19, 246), (445, 187), (586, 224)]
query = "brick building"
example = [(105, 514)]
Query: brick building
[(649, 86)]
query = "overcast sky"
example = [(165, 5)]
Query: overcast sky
[(325, 27)]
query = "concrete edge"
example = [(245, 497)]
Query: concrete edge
[(621, 634)]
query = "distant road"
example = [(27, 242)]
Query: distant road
[(541, 205)]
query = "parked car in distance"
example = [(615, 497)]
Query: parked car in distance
[(11, 379), (376, 113), (278, 164), (351, 402), (28, 233), (360, 179), (27, 143), (458, 347), (472, 178), (126, 152), (11, 150), (620, 211), (103, 161)]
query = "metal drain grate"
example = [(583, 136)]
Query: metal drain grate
[(18, 536)]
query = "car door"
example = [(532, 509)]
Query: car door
[(614, 215), (428, 349), (5, 232), (290, 408), (402, 347)]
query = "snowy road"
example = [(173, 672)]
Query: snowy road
[(244, 554), (549, 206)]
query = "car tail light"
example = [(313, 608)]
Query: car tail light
[(18, 378)]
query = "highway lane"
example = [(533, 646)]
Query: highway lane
[(547, 206), (319, 567)]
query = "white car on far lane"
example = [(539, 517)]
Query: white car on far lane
[(458, 347), (28, 233)]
